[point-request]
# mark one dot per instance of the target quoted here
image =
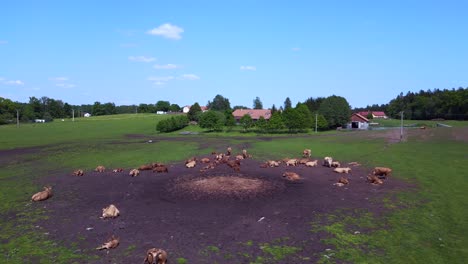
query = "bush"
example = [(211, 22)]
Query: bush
[(172, 124), (212, 120)]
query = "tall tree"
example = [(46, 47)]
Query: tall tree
[(219, 104), (162, 106), (246, 122), (314, 103), (174, 108), (287, 103), (336, 111), (194, 112), (257, 103), (212, 120), (273, 109)]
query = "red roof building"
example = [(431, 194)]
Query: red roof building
[(254, 113), (375, 114)]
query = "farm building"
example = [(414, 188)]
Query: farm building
[(254, 113), (375, 114), (358, 122), (186, 108)]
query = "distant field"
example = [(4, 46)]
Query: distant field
[(428, 123), (425, 225)]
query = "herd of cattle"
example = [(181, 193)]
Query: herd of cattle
[(159, 256)]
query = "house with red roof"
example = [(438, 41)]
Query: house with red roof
[(375, 114), (186, 108), (358, 121), (255, 114)]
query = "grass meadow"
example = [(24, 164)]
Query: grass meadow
[(427, 223)]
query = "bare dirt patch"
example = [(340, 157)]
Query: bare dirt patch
[(186, 211)]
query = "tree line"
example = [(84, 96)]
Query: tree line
[(422, 105), (49, 109)]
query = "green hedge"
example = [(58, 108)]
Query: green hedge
[(172, 124)]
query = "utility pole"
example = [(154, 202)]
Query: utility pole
[(316, 116), (73, 115), (17, 118), (136, 109), (401, 126)]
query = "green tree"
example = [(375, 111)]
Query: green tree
[(219, 104), (262, 124), (212, 120), (322, 123), (275, 123), (314, 103), (194, 112), (174, 108), (246, 122), (336, 111), (287, 103), (230, 121), (257, 104), (98, 109), (239, 107), (273, 109), (162, 106), (369, 115)]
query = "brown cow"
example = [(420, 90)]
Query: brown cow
[(117, 170), (100, 168), (161, 169), (382, 172), (291, 176), (205, 160), (228, 151), (145, 167), (342, 170), (374, 180), (112, 242), (43, 195), (306, 153), (155, 256), (191, 164)]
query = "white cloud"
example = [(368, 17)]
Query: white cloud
[(59, 79), (248, 68), (65, 85), (141, 58), (2, 42), (167, 31), (165, 67), (191, 77), (296, 49), (14, 82), (160, 78)]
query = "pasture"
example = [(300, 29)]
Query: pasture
[(419, 215)]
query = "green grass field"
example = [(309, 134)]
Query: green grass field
[(428, 224)]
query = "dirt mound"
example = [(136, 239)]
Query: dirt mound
[(227, 186)]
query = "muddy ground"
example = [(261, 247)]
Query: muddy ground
[(156, 211)]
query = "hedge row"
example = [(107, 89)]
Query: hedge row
[(172, 124)]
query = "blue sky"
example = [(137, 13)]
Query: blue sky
[(132, 52)]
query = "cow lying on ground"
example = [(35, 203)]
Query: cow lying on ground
[(112, 242), (110, 212), (342, 170), (205, 160), (291, 176), (160, 169), (382, 172), (342, 181), (78, 173), (145, 167), (100, 168), (43, 195), (335, 164), (235, 164), (117, 170), (312, 163), (155, 256), (291, 162), (303, 161), (239, 157), (374, 180), (134, 172), (190, 164)]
